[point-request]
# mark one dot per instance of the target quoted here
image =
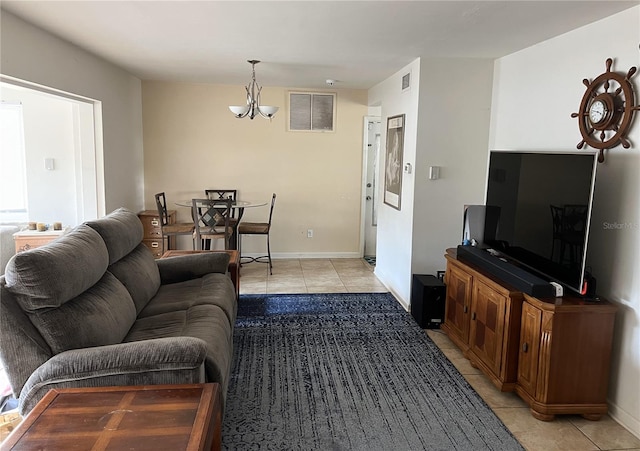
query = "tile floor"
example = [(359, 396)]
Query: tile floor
[(565, 433), (310, 276)]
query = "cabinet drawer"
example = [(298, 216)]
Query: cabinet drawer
[(151, 225), (28, 239), (155, 246)]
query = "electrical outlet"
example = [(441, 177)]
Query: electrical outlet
[(309, 233)]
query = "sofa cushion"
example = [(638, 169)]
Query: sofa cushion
[(51, 275), (186, 267), (121, 231), (102, 315), (139, 273), (207, 322), (213, 289)]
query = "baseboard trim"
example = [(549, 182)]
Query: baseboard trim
[(293, 255), (623, 418)]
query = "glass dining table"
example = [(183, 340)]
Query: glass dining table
[(238, 206)]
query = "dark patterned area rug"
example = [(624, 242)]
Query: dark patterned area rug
[(348, 372)]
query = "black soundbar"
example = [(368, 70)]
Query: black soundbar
[(509, 273)]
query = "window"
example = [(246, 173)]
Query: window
[(309, 111), (13, 183)]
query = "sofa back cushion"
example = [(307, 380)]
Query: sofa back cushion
[(68, 294), (139, 273), (49, 276), (101, 315), (121, 231)]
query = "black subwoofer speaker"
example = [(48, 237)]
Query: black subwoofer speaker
[(427, 300)]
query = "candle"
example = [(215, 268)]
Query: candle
[(32, 226), (41, 227), (57, 226)]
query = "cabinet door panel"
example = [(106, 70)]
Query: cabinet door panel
[(529, 348), (457, 307), (487, 325)]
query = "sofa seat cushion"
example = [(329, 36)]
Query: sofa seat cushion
[(207, 322), (51, 275), (139, 273), (211, 289)]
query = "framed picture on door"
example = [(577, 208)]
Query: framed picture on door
[(393, 161)]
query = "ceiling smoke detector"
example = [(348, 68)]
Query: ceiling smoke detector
[(330, 82)]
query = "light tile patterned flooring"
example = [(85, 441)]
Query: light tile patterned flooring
[(565, 433), (342, 275)]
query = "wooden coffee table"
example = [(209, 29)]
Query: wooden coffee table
[(234, 264), (150, 417)]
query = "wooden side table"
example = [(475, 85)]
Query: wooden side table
[(234, 264), (30, 239), (147, 417)]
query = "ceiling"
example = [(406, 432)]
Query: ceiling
[(302, 43)]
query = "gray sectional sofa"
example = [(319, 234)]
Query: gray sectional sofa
[(94, 308)]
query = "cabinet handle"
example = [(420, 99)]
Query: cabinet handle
[(154, 245), (465, 309), (525, 347), (473, 316), (155, 222)]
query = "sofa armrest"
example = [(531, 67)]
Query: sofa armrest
[(175, 360), (190, 266)]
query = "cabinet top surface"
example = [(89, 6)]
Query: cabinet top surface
[(36, 233)]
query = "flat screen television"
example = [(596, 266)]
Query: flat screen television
[(538, 211)]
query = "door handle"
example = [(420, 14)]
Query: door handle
[(525, 347)]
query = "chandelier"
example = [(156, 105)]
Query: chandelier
[(253, 107)]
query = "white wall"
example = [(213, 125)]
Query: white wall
[(31, 54), (447, 115), (395, 227), (453, 133), (48, 128), (535, 92)]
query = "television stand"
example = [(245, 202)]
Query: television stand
[(553, 352)]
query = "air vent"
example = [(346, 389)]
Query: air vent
[(406, 81)]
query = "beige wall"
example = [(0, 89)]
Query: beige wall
[(192, 142)]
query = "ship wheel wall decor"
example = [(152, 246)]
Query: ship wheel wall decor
[(606, 110)]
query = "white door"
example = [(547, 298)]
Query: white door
[(371, 187)]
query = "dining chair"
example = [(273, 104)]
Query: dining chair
[(233, 219), (258, 228), (170, 230), (211, 220), (221, 194)]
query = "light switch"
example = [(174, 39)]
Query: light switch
[(49, 164), (434, 172)]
